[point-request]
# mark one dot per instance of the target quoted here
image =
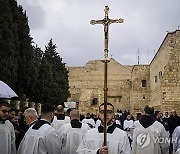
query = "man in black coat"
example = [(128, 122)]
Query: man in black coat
[(173, 121)]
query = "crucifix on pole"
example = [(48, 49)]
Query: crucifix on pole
[(106, 22)]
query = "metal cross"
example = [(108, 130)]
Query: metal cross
[(106, 22)]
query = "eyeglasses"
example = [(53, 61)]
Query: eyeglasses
[(108, 111)]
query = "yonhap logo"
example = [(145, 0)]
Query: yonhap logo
[(143, 140)]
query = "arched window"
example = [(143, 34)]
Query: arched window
[(143, 83), (94, 101)]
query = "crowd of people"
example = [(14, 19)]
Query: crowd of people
[(58, 132)]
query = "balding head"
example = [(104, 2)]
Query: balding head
[(74, 114), (60, 109)]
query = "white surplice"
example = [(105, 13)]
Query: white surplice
[(40, 141), (151, 140), (117, 142), (70, 138), (7, 138)]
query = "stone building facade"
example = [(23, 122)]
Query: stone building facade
[(131, 87)]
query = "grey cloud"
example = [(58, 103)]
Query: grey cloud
[(145, 26), (36, 15)]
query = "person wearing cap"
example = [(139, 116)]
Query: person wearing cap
[(41, 138)]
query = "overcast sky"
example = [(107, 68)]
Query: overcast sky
[(67, 22)]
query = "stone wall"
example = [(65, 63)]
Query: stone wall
[(125, 88), (86, 83), (140, 92), (165, 91)]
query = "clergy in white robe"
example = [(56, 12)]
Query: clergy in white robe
[(71, 134), (176, 139), (30, 116), (58, 122), (41, 138), (149, 135), (7, 134), (117, 140), (88, 120), (178, 151), (128, 123), (98, 123), (60, 118)]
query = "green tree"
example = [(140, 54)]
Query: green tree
[(54, 76), (26, 69), (8, 44), (16, 52), (34, 92), (33, 74)]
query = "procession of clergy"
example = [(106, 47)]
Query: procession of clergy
[(56, 133)]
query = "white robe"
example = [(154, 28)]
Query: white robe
[(176, 139), (70, 138), (89, 121), (7, 138), (151, 140), (117, 142), (42, 141), (128, 124), (58, 123), (98, 123), (178, 151)]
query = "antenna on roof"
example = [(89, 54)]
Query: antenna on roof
[(138, 56)]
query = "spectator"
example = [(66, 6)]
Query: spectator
[(165, 121)]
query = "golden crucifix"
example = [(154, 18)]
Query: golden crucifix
[(106, 22)]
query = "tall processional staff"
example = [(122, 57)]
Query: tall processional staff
[(106, 22)]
